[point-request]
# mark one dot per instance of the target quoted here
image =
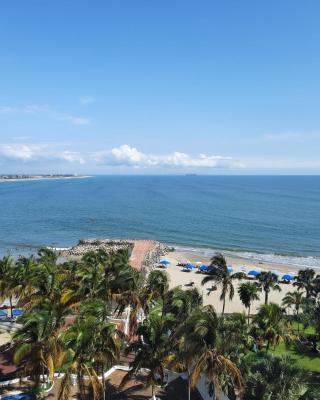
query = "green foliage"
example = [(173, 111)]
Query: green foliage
[(277, 378), (65, 326), (267, 282), (220, 275)]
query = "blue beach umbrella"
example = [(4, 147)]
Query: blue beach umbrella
[(230, 269), (204, 268), (253, 272), (164, 262), (287, 277), (189, 266), (17, 312)]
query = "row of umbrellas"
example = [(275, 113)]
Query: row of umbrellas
[(203, 268)]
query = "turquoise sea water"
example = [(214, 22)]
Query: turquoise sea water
[(268, 218)]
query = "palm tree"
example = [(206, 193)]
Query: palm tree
[(78, 342), (222, 277), (305, 281), (157, 284), (272, 327), (151, 351), (294, 299), (267, 282), (178, 305), (90, 345), (35, 343), (107, 339), (211, 361), (277, 378), (7, 281), (248, 292)]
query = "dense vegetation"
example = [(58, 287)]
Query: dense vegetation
[(66, 327)]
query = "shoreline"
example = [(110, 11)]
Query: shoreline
[(237, 258), (234, 261), (45, 178), (245, 257), (178, 277)]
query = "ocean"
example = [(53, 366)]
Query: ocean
[(268, 218)]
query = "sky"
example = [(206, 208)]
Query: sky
[(160, 87)]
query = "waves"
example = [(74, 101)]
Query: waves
[(264, 219), (294, 261)]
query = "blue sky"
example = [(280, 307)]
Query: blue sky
[(143, 87)]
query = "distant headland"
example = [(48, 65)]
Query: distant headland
[(12, 177)]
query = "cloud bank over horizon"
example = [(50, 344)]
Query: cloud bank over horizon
[(122, 156)]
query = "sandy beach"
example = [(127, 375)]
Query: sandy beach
[(182, 278)]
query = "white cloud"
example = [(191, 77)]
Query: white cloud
[(7, 109), (71, 156), (292, 137), (126, 155), (84, 100), (35, 109), (268, 163), (19, 152), (33, 152), (78, 120)]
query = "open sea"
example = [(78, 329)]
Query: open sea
[(268, 218)]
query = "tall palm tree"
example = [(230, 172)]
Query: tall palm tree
[(91, 344), (157, 284), (277, 378), (220, 274), (267, 282), (151, 351), (294, 299), (78, 342), (178, 304), (248, 292), (305, 281), (7, 281), (35, 343), (272, 327), (211, 360)]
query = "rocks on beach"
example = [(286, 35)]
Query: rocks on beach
[(143, 253)]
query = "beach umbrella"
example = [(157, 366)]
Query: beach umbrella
[(204, 268), (198, 263), (287, 277), (230, 269), (17, 312), (189, 266), (253, 272), (164, 262), (275, 272)]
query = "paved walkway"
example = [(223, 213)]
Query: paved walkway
[(139, 252)]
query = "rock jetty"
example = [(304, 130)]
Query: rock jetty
[(143, 253)]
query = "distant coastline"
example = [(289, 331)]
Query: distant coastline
[(39, 177)]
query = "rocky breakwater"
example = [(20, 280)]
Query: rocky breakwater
[(154, 255), (143, 253), (108, 245)]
